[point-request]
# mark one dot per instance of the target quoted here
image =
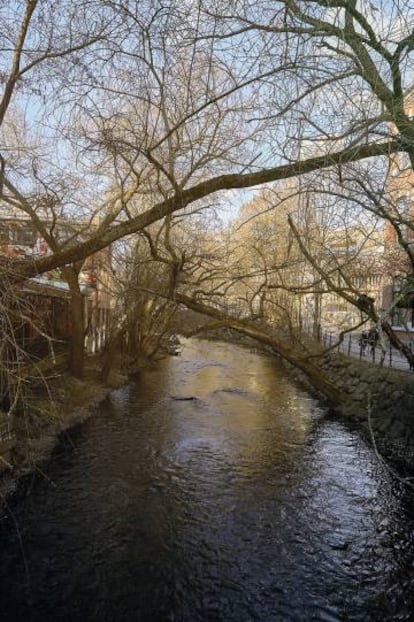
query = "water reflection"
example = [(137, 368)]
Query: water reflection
[(212, 489)]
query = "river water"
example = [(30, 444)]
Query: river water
[(211, 489)]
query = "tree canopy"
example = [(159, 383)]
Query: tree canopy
[(124, 113), (116, 116)]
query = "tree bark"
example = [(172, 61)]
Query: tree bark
[(77, 323), (112, 347)]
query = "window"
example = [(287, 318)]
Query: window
[(400, 164), (22, 235), (4, 233), (402, 317), (404, 215)]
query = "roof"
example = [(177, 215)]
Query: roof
[(41, 285)]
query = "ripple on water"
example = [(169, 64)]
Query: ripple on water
[(245, 503)]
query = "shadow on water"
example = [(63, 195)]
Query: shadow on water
[(212, 489)]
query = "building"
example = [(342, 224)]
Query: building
[(45, 300), (398, 293), (353, 261)]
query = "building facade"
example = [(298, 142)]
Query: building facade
[(45, 320), (398, 293)]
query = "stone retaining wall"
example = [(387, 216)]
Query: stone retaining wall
[(382, 398)]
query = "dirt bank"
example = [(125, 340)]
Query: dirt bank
[(63, 403)]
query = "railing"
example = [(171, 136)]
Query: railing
[(352, 346), (5, 432)]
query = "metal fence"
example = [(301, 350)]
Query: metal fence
[(353, 346), (5, 431)]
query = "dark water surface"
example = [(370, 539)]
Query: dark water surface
[(246, 503)]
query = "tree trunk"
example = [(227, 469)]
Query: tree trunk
[(77, 326), (132, 336), (112, 347)]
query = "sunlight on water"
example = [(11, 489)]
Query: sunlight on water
[(212, 489)]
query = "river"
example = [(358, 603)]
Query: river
[(212, 489)]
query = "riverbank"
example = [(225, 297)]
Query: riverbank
[(58, 404)]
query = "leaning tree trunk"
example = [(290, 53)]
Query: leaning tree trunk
[(290, 354)]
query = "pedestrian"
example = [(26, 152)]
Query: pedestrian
[(363, 342), (372, 339)]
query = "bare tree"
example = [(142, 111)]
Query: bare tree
[(152, 113)]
